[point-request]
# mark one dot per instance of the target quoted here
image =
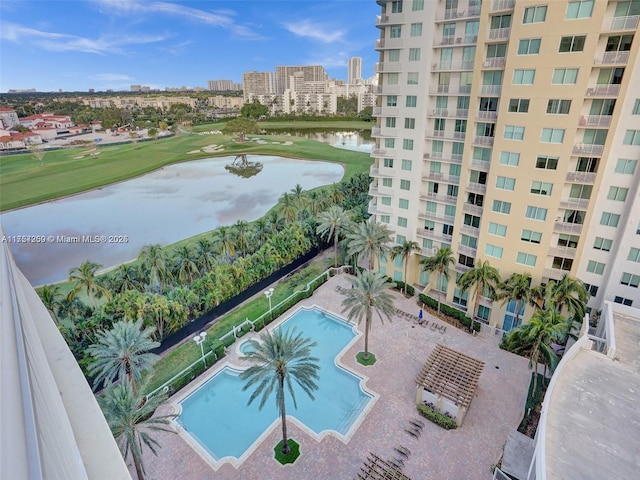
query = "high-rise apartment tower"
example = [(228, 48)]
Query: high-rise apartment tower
[(354, 74)]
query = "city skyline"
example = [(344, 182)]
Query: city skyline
[(111, 44)]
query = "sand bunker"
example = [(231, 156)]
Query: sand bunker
[(213, 148)]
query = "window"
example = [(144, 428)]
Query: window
[(602, 106), (488, 104), (580, 191), (385, 218), (541, 188), (387, 182), (493, 250), (409, 123), (460, 126), (514, 309), (452, 191), (561, 263), (449, 30), (412, 101), (427, 243), (485, 129), (388, 162), (412, 78), (432, 207), (396, 6), (416, 29), (634, 255), (466, 260), (450, 211), (438, 124), (512, 132), (630, 280), (405, 185), (482, 154), (632, 137), (581, 9), (395, 31), (609, 219), (460, 298), (501, 206), (574, 216), (468, 241), (402, 222), (565, 76), (574, 43), (526, 259), (385, 201), (509, 158), (390, 143), (624, 301), (603, 244), (552, 135), (457, 149), (536, 213), (617, 193), (403, 203), (531, 236), (636, 107), (524, 76), (391, 79), (491, 77), (484, 313), (393, 55), (406, 165), (569, 241), (417, 5), (619, 43), (390, 122), (435, 167), (476, 176), (529, 46), (471, 220), (591, 289), (500, 21), (414, 54), (625, 166), (407, 144), (558, 107), (400, 239), (432, 187), (587, 164), (610, 76), (519, 105), (475, 199), (392, 100), (447, 229), (455, 169), (497, 229), (497, 50), (505, 183), (548, 163), (535, 14)]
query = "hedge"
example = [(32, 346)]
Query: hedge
[(400, 285), (451, 312), (436, 417)]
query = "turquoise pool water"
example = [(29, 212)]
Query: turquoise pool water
[(217, 415)]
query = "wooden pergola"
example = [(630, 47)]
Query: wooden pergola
[(377, 469), (451, 375)]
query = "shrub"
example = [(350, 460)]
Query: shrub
[(429, 412), (449, 311), (400, 286)]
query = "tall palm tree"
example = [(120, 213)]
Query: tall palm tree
[(51, 297), (439, 263), (276, 221), (570, 292), (205, 257), (279, 359), (154, 261), (369, 294), (185, 268), (125, 277), (261, 230), (369, 238), (484, 279), (516, 288), (224, 241), (84, 278), (122, 352), (131, 422), (332, 223), (242, 229), (288, 206), (405, 250)]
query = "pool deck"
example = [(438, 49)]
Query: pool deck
[(401, 348)]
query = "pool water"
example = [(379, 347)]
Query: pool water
[(217, 415)]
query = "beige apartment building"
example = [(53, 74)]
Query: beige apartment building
[(509, 130)]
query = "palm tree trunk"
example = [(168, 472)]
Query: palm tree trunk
[(367, 326), (335, 249), (283, 416), (404, 275), (138, 465)]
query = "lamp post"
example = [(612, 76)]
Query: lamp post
[(269, 293), (199, 339)]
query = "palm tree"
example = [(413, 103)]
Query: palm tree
[(84, 277), (439, 263), (242, 229), (279, 359), (570, 292), (276, 221), (125, 277), (154, 261), (184, 267), (331, 223), (204, 255), (224, 241), (369, 294), (516, 288), (484, 278), (51, 297), (288, 206), (261, 230), (405, 250), (369, 238), (131, 422), (122, 352)]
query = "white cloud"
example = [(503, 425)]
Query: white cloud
[(310, 29), (110, 77), (62, 42)]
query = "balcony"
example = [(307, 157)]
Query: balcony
[(587, 149), (472, 209), (389, 19), (621, 24), (466, 250), (438, 217), (612, 58), (553, 274), (378, 152), (483, 141), (575, 203), (491, 89), (496, 62), (386, 67), (382, 172), (608, 90), (564, 252), (387, 89), (438, 237), (469, 230), (462, 268), (581, 177), (376, 132), (476, 188), (388, 43), (452, 65), (440, 177), (438, 197), (499, 33), (462, 112), (481, 165), (487, 115), (564, 227), (498, 5), (377, 209), (386, 111), (439, 112), (595, 121)]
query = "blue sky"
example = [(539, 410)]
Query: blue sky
[(101, 44)]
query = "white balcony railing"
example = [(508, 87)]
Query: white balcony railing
[(581, 177), (608, 90), (595, 120), (624, 23), (564, 227), (491, 89), (499, 33), (588, 149), (612, 58), (486, 115), (485, 141), (476, 188), (502, 5), (495, 62)]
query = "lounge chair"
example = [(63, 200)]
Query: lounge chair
[(412, 432), (434, 326), (396, 463), (443, 329), (417, 425), (404, 451), (418, 422)]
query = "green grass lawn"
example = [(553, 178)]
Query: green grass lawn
[(23, 181), (290, 457)]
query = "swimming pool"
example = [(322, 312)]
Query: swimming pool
[(216, 415)]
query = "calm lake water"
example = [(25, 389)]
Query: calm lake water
[(162, 207), (358, 140)]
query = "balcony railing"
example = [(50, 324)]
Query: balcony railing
[(441, 177), (612, 58), (588, 149), (595, 120), (439, 237), (608, 90), (469, 230), (581, 177), (462, 112), (565, 252), (624, 23), (476, 188), (389, 19), (564, 227), (486, 115), (385, 111), (473, 209), (452, 65), (385, 67), (491, 89), (481, 165), (387, 89), (388, 43), (438, 197), (466, 250), (462, 268), (377, 209), (485, 141), (575, 203), (495, 62), (553, 274), (502, 5), (439, 112), (499, 33)]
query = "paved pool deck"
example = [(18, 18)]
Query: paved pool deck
[(401, 348)]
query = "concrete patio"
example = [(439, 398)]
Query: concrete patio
[(401, 348)]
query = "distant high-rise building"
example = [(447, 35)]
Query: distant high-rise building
[(312, 73), (354, 74), (223, 86), (258, 83), (509, 131)]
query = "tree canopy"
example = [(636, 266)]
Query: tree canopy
[(254, 110), (240, 127)]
